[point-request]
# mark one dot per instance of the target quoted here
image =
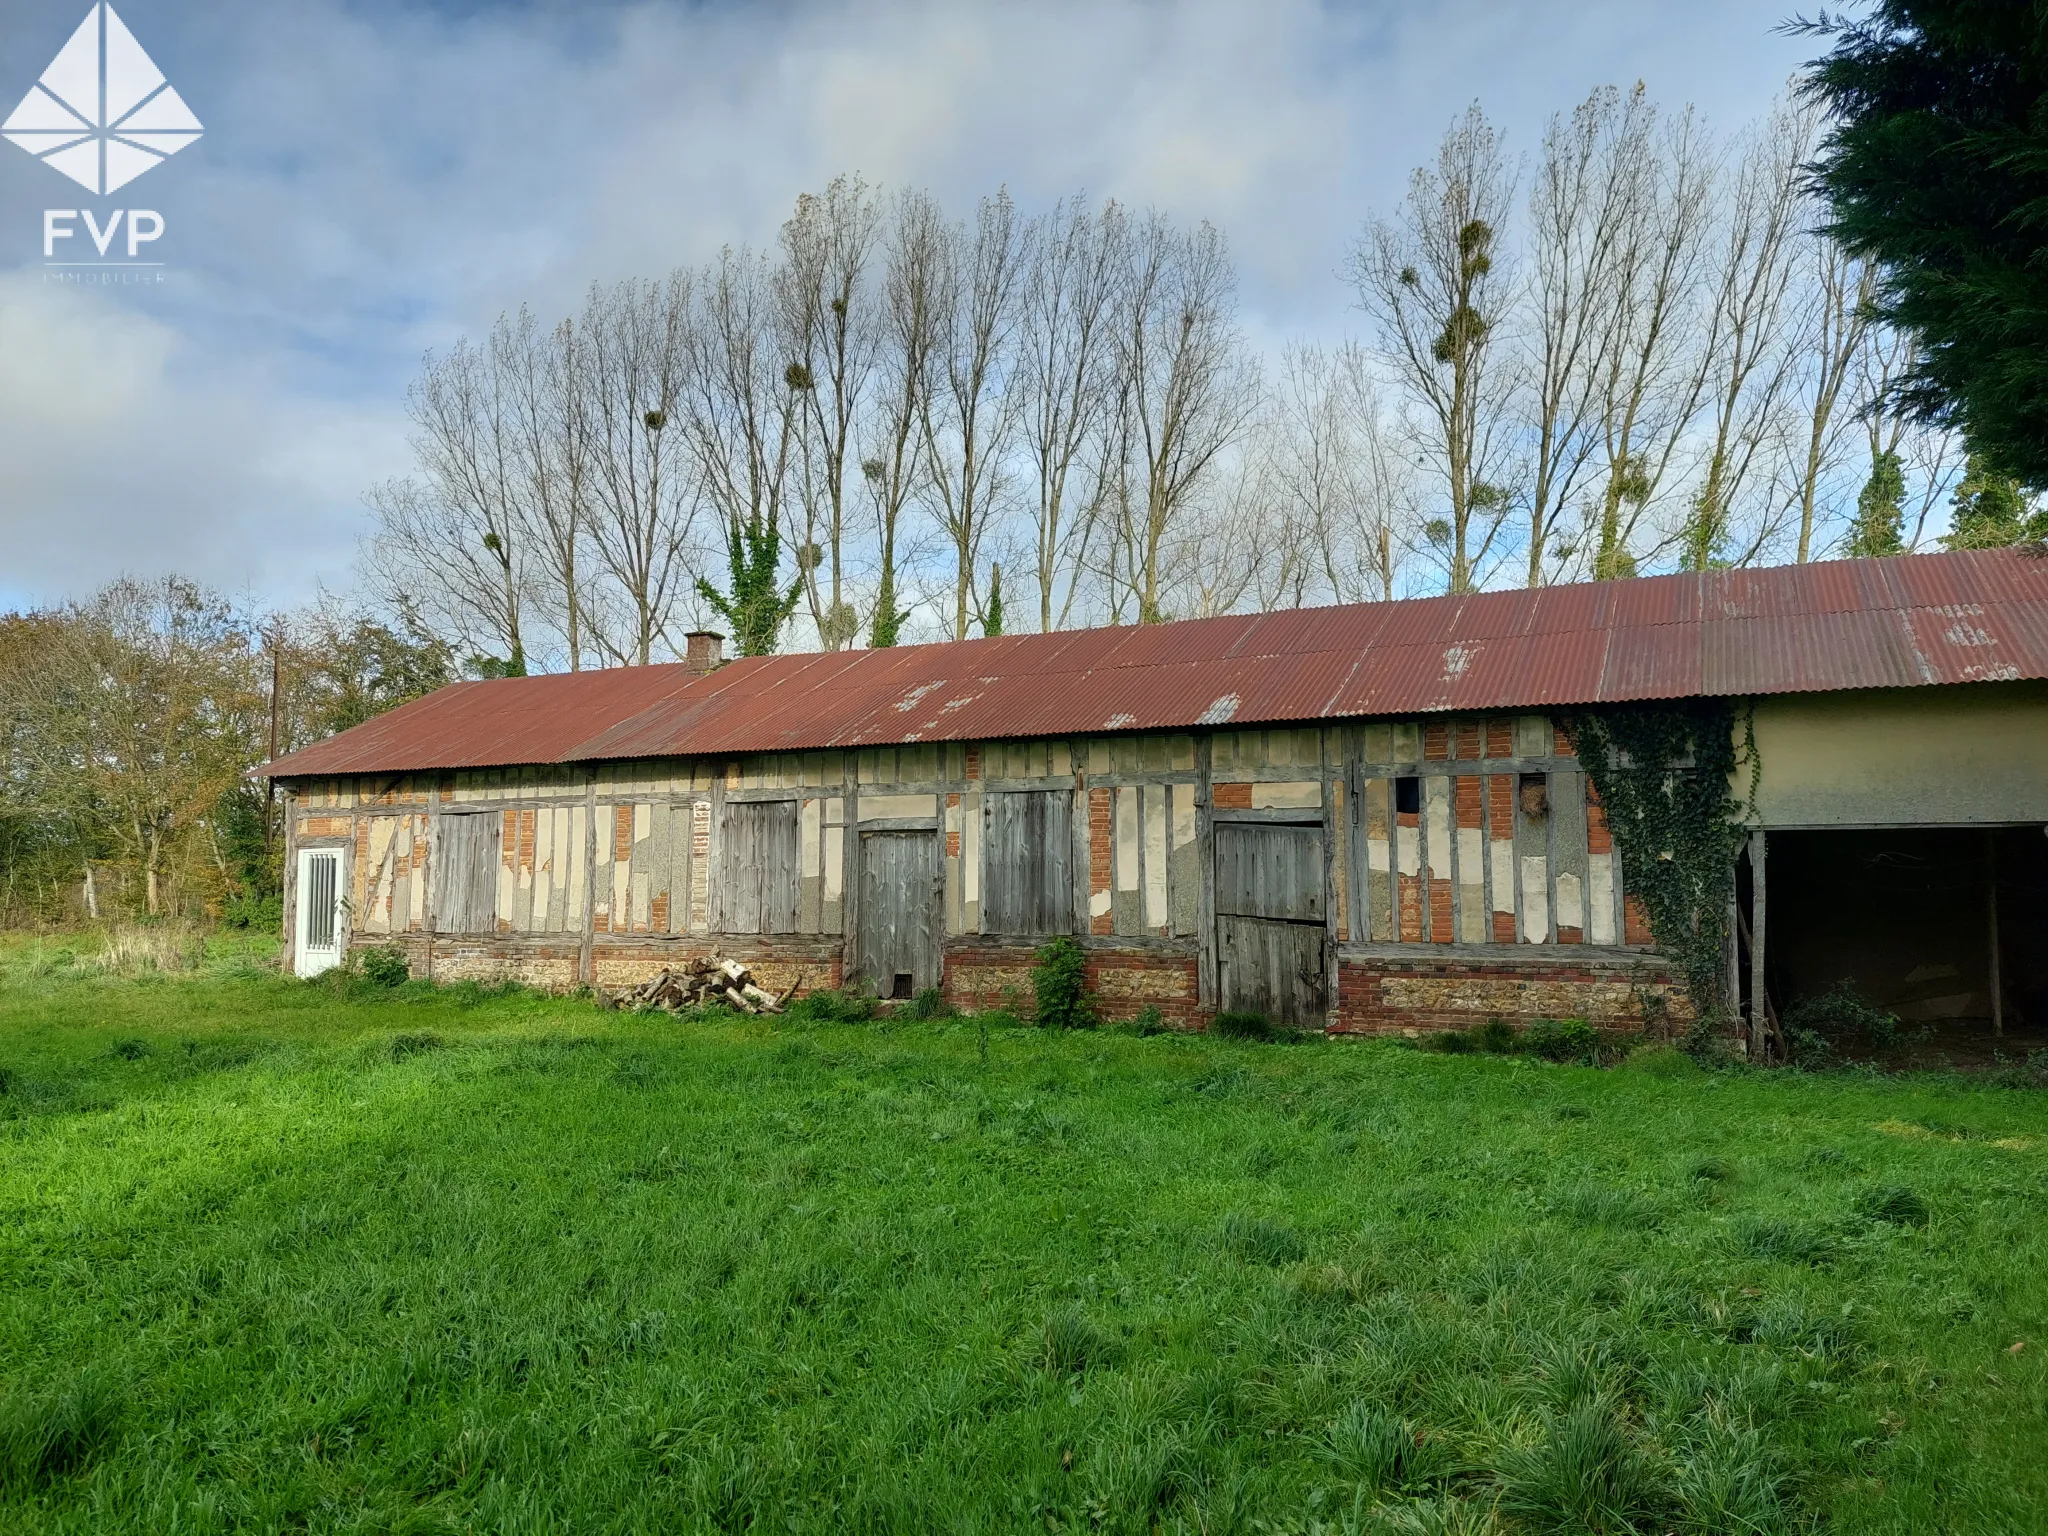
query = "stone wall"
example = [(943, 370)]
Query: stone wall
[(1389, 994)]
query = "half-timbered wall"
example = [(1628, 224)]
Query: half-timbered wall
[(1439, 836)]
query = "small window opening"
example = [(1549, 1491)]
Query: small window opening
[(1535, 796), (901, 987), (1408, 796)]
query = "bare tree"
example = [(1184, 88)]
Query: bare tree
[(1186, 387), (1651, 374), (1432, 281), (1837, 292), (635, 375), (966, 416), (542, 375), (1330, 478), (1595, 184), (1066, 356), (1746, 356), (831, 316), (742, 407), (893, 457), (451, 536)]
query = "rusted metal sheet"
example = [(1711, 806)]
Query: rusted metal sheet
[(491, 724), (1906, 622)]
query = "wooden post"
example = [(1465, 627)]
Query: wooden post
[(1991, 883), (433, 870), (1734, 980), (1205, 844), (586, 964), (1759, 997)]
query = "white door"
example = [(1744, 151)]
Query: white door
[(319, 917)]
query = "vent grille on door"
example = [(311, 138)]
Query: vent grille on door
[(321, 871)]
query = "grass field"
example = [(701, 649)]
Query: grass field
[(279, 1257)]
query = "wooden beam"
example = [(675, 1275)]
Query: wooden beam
[(586, 959), (1991, 904), (1759, 993)]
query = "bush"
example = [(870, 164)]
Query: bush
[(1816, 1028), (1563, 1040), (385, 966), (256, 914), (1450, 1042), (1241, 1024), (1059, 986)]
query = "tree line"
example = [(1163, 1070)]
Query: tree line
[(1638, 350), (129, 722)]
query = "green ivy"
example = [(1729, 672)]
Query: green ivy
[(1663, 772)]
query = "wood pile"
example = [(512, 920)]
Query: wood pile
[(699, 984)]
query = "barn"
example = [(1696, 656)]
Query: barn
[(1363, 818)]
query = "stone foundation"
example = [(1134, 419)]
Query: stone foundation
[(1379, 991), (1397, 994)]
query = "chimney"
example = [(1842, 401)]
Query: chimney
[(706, 651)]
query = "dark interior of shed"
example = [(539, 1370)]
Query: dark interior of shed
[(1944, 927)]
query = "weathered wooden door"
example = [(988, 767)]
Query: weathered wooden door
[(759, 877), (901, 881), (1027, 886), (1272, 928), (466, 873)]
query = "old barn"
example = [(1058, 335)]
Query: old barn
[(1361, 818)]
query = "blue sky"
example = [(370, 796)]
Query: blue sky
[(376, 179)]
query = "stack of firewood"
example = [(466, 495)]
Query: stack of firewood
[(699, 983)]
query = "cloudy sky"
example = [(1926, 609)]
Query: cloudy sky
[(376, 179)]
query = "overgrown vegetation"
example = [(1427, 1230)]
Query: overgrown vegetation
[(1059, 985), (1662, 771), (1573, 1040), (1819, 1029), (341, 1256)]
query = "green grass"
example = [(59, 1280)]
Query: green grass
[(287, 1257)]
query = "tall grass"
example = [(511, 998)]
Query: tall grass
[(279, 1256)]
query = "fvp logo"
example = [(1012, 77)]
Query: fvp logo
[(102, 112)]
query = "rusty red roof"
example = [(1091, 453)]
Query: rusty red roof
[(1905, 622)]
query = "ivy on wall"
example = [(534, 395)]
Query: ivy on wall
[(1663, 771)]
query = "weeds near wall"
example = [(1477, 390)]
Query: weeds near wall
[(1059, 983), (1663, 771)]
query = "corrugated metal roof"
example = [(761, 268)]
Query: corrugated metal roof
[(1905, 622)]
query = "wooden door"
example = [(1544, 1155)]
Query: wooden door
[(1272, 925), (465, 876), (1027, 881), (759, 878), (901, 881)]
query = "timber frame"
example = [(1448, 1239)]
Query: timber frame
[(1455, 849)]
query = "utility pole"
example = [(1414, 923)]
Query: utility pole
[(275, 639)]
